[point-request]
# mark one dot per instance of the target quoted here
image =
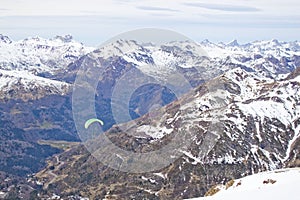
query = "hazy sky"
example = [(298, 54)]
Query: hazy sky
[(94, 21)]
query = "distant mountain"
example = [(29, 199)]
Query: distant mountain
[(40, 55), (26, 65), (59, 59), (24, 62), (233, 43)]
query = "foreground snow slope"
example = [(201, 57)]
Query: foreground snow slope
[(279, 184)]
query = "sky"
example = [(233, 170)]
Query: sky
[(94, 21)]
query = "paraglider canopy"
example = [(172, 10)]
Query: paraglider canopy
[(90, 121)]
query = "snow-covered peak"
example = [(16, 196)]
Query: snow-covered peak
[(206, 42), (24, 63), (66, 38), (21, 84), (233, 43), (47, 56), (209, 59), (265, 48), (119, 48), (5, 39), (188, 47), (57, 41), (41, 55)]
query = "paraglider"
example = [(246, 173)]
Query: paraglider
[(90, 121)]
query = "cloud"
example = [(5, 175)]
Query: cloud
[(151, 8), (224, 7)]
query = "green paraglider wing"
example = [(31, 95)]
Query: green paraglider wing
[(90, 121)]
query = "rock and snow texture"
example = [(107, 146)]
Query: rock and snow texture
[(197, 62), (25, 85), (256, 114), (26, 64), (249, 138), (251, 88), (275, 185), (251, 92), (269, 58), (40, 55), (244, 119)]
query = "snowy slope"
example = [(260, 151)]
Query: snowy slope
[(275, 185), (40, 55), (25, 63), (14, 84), (265, 48), (258, 113), (269, 58)]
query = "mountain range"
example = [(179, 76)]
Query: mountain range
[(239, 115)]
